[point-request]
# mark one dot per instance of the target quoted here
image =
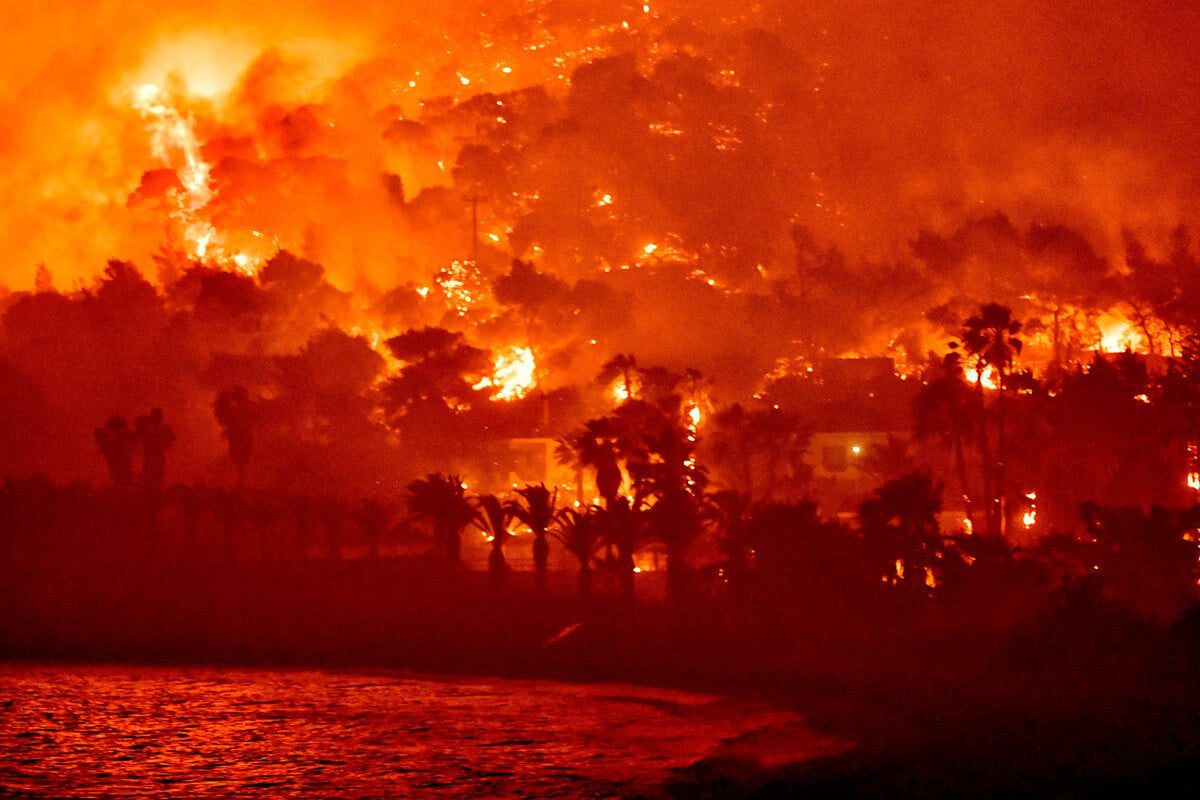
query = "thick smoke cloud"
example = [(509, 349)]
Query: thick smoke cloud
[(806, 179), (860, 122)]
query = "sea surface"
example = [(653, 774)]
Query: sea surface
[(151, 732)]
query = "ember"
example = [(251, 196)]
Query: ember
[(764, 346)]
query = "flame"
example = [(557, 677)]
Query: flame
[(1029, 518), (989, 377), (1193, 481), (173, 136), (463, 286), (695, 417), (173, 141), (1118, 334), (619, 392), (513, 374)]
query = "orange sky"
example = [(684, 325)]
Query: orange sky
[(1081, 111)]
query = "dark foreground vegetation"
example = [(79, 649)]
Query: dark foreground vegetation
[(1063, 670)]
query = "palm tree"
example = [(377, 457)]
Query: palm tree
[(900, 526), (909, 504), (441, 500), (579, 531), (620, 531), (677, 519), (373, 518), (235, 413), (624, 367), (566, 455), (768, 438), (944, 405), (888, 460), (731, 513), (730, 445), (536, 510), (667, 472), (116, 440), (493, 518), (597, 446), (991, 336)]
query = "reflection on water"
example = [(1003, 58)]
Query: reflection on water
[(153, 732)]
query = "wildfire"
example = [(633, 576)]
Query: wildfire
[(1117, 334), (463, 286), (173, 136), (174, 141), (989, 377), (1029, 518), (513, 374), (930, 578), (620, 391)]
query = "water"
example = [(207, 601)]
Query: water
[(125, 732)]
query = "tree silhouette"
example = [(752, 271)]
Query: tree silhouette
[(731, 515), (580, 531), (666, 472), (789, 548), (373, 517), (620, 529), (154, 436), (761, 441), (623, 367), (597, 446), (900, 528), (945, 406), (492, 517), (531, 293), (235, 413), (437, 376), (677, 519), (441, 500), (433, 399), (991, 337), (888, 460), (116, 442), (536, 511)]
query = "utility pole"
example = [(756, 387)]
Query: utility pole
[(474, 199)]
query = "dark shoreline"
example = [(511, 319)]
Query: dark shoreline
[(1069, 696)]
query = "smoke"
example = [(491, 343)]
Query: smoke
[(714, 185), (860, 122)]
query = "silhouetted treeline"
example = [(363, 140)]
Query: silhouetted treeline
[(739, 552)]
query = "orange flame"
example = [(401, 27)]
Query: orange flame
[(513, 374)]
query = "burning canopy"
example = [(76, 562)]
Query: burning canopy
[(743, 189)]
